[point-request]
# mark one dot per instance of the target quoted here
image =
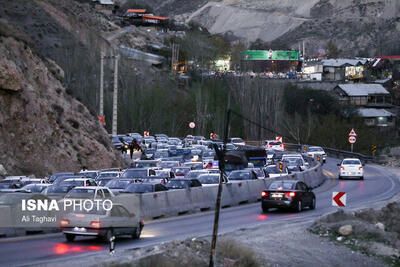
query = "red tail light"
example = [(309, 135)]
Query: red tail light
[(342, 168), (290, 194), (282, 145), (269, 146), (95, 224), (64, 222), (264, 194), (360, 168)]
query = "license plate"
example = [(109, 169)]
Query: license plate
[(353, 173), (276, 195), (80, 229)]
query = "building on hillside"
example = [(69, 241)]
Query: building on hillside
[(377, 117), (384, 67), (367, 95), (335, 69), (270, 61)]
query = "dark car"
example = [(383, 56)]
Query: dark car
[(194, 165), (144, 188), (10, 184), (60, 179), (241, 175), (182, 183), (116, 142), (287, 194)]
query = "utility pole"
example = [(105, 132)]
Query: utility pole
[(101, 112), (115, 98), (221, 161), (304, 50)]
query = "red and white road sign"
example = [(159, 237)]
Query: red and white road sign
[(146, 133), (279, 138), (192, 125), (352, 139), (352, 132), (212, 135), (339, 199)]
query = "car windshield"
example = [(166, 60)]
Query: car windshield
[(194, 175), (181, 170), (73, 182), (80, 193), (56, 189), (280, 185), (315, 149), (293, 161), (131, 173), (351, 162), (118, 184), (115, 140), (235, 175), (272, 169), (209, 154), (142, 164), (161, 154), (103, 182), (108, 174), (177, 184), (139, 188), (88, 174), (209, 179), (168, 164)]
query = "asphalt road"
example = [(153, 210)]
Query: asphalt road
[(379, 184)]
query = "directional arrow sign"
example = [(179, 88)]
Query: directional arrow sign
[(352, 132), (339, 199)]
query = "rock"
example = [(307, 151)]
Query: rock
[(10, 77), (57, 71), (346, 230), (3, 171), (380, 226)]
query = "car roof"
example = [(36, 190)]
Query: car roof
[(76, 179), (90, 187)]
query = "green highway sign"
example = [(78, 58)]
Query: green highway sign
[(270, 55)]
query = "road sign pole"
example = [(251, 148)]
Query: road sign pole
[(351, 147), (218, 204), (115, 98)]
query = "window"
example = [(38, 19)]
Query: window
[(99, 194), (115, 212), (106, 193)]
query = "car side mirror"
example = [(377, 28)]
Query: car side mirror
[(338, 164), (363, 164)]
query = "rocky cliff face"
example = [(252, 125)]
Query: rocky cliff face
[(42, 128), (357, 27)]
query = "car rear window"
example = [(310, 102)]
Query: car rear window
[(80, 192), (209, 179), (239, 176), (274, 143), (351, 162), (177, 184), (315, 149), (139, 188), (134, 174), (282, 185)]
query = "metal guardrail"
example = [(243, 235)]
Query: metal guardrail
[(330, 151)]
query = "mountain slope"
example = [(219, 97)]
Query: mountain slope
[(42, 128)]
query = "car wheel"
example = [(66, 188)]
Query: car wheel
[(361, 177), (69, 237), (312, 206), (324, 161), (340, 177), (299, 206), (108, 235), (138, 231), (264, 209)]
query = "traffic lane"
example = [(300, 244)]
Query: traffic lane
[(378, 184), (200, 224)]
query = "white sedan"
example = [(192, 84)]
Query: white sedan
[(351, 168)]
